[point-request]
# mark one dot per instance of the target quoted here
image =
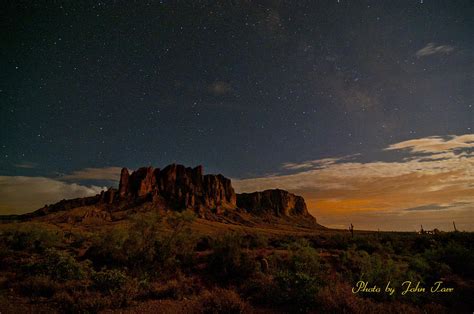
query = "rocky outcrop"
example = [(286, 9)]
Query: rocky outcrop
[(181, 187), (124, 185), (108, 197), (277, 202), (96, 215), (177, 187)]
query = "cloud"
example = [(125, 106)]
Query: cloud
[(20, 194), (340, 190), (431, 49), (105, 174), (314, 164), (436, 144), (219, 88), (427, 207), (436, 206), (310, 164), (26, 165)]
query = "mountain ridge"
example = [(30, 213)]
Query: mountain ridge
[(178, 188)]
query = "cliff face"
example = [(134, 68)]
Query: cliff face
[(277, 202), (179, 187)]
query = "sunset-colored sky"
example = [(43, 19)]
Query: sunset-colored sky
[(431, 182)]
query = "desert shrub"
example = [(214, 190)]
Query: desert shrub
[(107, 249), (82, 302), (282, 242), (58, 265), (260, 289), (459, 257), (109, 280), (422, 243), (367, 244), (38, 286), (298, 278), (376, 270), (338, 298), (297, 289), (255, 241), (104, 296), (4, 255), (4, 283), (203, 243), (127, 293), (303, 258), (139, 245), (228, 261), (427, 271), (30, 236), (176, 249), (62, 266), (220, 301), (176, 288), (76, 239), (419, 264), (144, 248), (338, 241), (149, 249)]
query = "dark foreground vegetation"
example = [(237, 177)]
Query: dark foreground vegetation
[(156, 259)]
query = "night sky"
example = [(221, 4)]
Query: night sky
[(260, 91)]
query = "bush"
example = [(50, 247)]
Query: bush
[(30, 236), (338, 241), (338, 298), (58, 265), (83, 302), (303, 258), (260, 289), (108, 248), (62, 266), (299, 277), (220, 301), (109, 280), (367, 244), (255, 241), (373, 268), (176, 249), (459, 257), (176, 289), (139, 245), (228, 261), (297, 289), (143, 248), (38, 286)]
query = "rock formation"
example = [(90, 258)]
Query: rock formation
[(277, 202), (178, 188)]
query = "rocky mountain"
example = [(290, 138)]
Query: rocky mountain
[(277, 202), (177, 187)]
